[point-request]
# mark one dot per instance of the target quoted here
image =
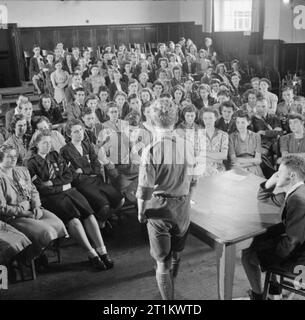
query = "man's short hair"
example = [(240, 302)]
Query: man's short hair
[(287, 88), (79, 90), (261, 98), (132, 96), (242, 114), (266, 81), (163, 113), (158, 83), (111, 104), (296, 164), (254, 79), (86, 111), (227, 104), (292, 116), (225, 93), (71, 123), (120, 93)]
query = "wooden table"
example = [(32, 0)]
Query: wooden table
[(225, 211)]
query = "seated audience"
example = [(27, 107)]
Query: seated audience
[(75, 108), (226, 122), (10, 114), (284, 244), (204, 100), (245, 146), (53, 179), (217, 143), (294, 142), (269, 127), (49, 109), (20, 203), (77, 82), (87, 173), (60, 80), (250, 97), (272, 99), (286, 107), (95, 81), (19, 139), (92, 128), (43, 125)]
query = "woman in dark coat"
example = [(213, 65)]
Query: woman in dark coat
[(53, 179), (87, 172)]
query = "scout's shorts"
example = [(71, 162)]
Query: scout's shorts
[(168, 225)]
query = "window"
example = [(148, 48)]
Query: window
[(232, 15)]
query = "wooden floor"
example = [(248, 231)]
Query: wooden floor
[(133, 277)]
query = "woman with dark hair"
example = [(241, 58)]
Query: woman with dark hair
[(20, 204), (221, 71), (272, 99), (19, 139), (205, 100), (53, 179), (49, 109), (146, 95), (87, 172), (60, 80), (43, 125), (101, 109), (250, 98), (178, 96), (236, 89), (245, 146), (217, 143)]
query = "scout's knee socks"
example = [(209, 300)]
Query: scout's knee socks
[(165, 284)]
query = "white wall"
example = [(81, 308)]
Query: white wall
[(279, 22), (69, 13), (272, 19)]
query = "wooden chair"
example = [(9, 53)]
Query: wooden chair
[(287, 281)]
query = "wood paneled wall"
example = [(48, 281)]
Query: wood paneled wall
[(276, 56), (93, 36)]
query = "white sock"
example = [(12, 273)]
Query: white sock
[(101, 250), (92, 253)]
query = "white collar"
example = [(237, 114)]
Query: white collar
[(293, 188)]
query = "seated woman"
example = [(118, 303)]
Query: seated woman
[(217, 143), (272, 99), (53, 179), (19, 139), (12, 243), (245, 146), (193, 133), (95, 81), (87, 173), (101, 108), (250, 98), (49, 109), (222, 74), (294, 142), (43, 125), (178, 97), (20, 204), (204, 100)]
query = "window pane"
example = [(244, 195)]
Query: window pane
[(232, 15)]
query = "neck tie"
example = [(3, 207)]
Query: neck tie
[(51, 171)]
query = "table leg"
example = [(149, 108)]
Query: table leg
[(225, 255)]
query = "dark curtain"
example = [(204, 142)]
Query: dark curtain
[(257, 32)]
